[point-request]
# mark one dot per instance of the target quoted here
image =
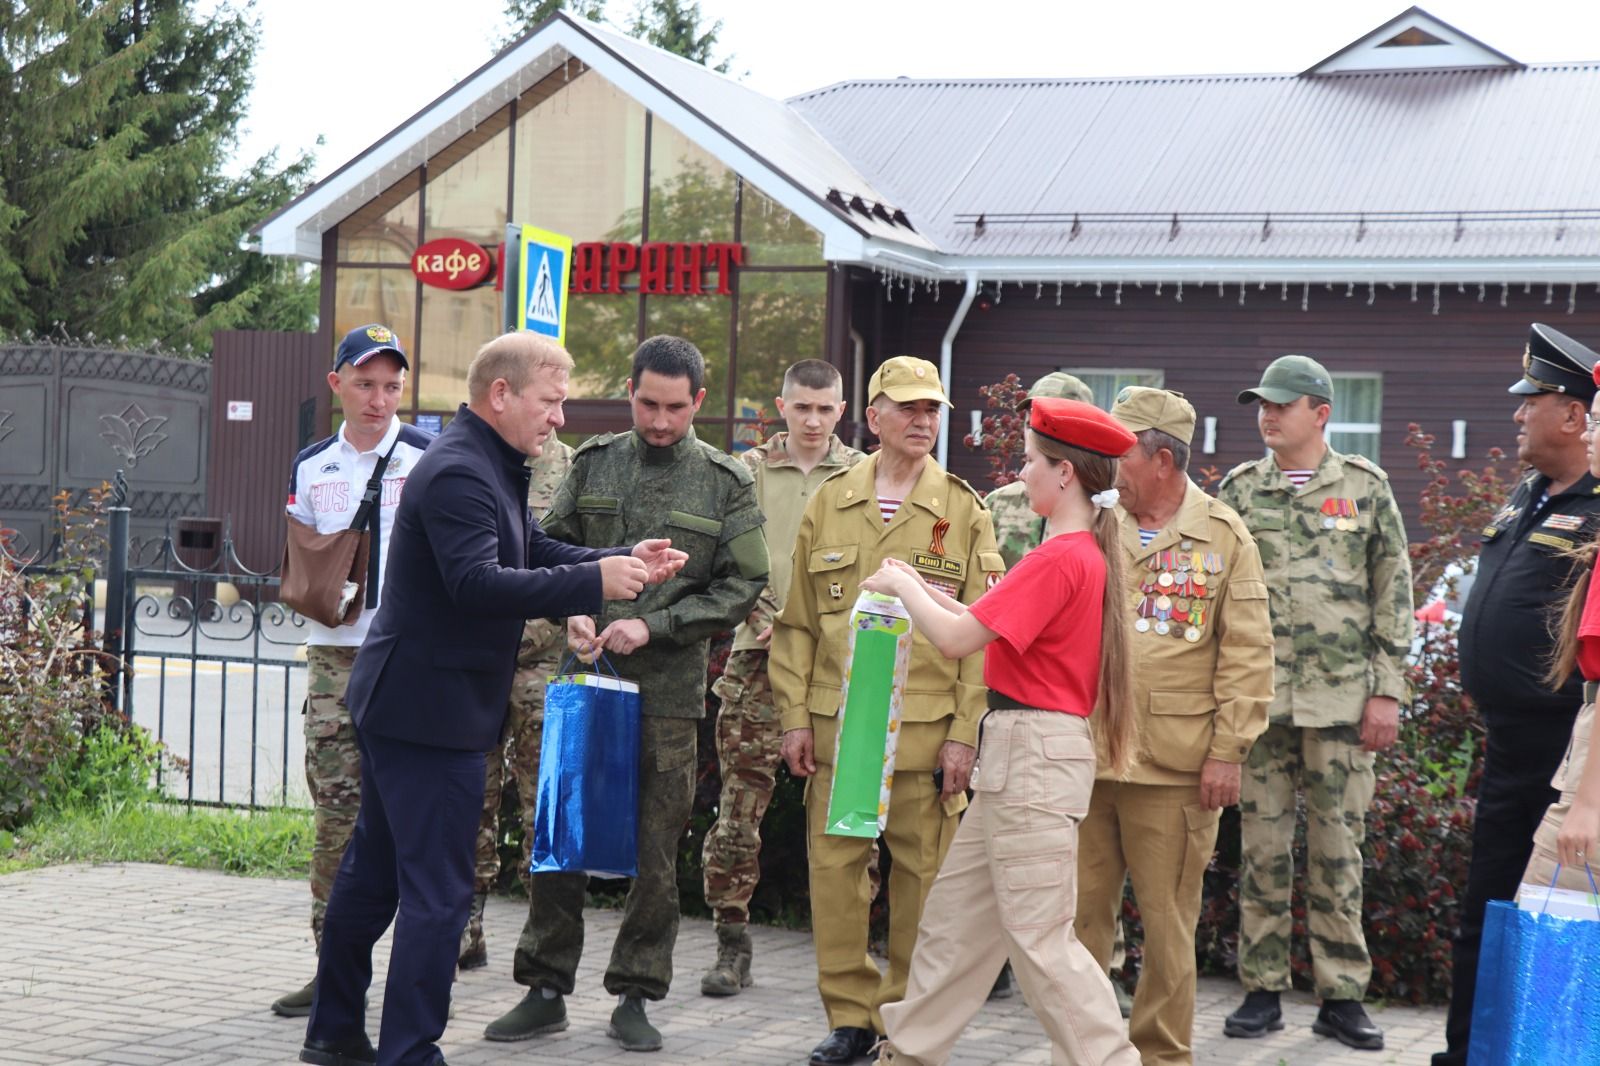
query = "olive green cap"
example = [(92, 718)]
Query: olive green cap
[(1062, 385), (905, 378), (1289, 377), (1139, 408)]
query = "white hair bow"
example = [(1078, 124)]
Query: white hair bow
[(1108, 498)]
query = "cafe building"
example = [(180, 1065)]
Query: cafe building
[(1400, 210)]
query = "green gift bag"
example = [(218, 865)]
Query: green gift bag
[(875, 667)]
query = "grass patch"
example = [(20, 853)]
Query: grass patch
[(269, 843)]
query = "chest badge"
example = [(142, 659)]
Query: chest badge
[(832, 557), (1340, 514), (836, 590), (1569, 523)]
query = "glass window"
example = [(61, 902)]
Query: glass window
[(782, 319), (455, 324), (580, 162), (1356, 425), (602, 332), (703, 320), (377, 294), (773, 235), (467, 199), (1107, 383), (385, 230), (691, 193)]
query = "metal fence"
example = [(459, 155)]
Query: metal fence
[(214, 666)]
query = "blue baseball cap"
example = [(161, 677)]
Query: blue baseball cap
[(364, 342)]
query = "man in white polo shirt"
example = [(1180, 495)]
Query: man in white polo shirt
[(326, 485)]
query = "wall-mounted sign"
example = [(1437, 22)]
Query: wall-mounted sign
[(431, 424), (241, 410), (663, 268), (451, 263), (544, 267)]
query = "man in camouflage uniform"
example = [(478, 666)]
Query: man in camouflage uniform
[(538, 657), (1333, 547), (659, 477), (787, 470)]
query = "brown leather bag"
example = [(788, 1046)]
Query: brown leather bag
[(324, 572)]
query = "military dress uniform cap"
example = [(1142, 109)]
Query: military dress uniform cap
[(1139, 407), (1080, 425), (905, 378), (364, 342), (1064, 385), (1289, 377), (1554, 362)]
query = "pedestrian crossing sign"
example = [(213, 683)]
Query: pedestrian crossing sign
[(544, 270)]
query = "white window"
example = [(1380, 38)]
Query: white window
[(1356, 423), (1107, 383)]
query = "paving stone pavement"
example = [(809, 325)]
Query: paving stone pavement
[(145, 965)]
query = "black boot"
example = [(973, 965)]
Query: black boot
[(1258, 1015), (844, 1045), (1346, 1021)]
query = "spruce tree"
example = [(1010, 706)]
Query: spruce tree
[(117, 218)]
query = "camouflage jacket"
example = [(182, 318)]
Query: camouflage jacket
[(1339, 578), (541, 636), (782, 490), (1017, 530), (621, 491)]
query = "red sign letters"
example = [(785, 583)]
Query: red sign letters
[(664, 269)]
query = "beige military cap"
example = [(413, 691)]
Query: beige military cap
[(905, 378), (1140, 408), (1062, 385)]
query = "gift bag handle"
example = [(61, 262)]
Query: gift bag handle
[(1594, 892), (604, 660)]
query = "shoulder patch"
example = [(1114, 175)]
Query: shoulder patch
[(741, 473), (1361, 462), (600, 440)]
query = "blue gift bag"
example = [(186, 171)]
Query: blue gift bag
[(587, 818), (1538, 993)]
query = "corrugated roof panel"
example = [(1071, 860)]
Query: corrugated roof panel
[(1447, 141)]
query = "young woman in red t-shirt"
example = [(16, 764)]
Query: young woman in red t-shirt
[(1570, 831), (1057, 650)]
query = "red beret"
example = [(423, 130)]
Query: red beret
[(1081, 425)]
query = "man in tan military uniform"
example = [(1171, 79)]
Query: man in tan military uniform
[(1334, 548), (898, 504), (1202, 668), (538, 657), (788, 469)]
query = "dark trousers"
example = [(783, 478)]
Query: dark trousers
[(1522, 755), (641, 958), (411, 852)]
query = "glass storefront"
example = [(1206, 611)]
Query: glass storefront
[(577, 156)]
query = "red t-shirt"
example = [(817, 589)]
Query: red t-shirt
[(1589, 632), (1047, 611)]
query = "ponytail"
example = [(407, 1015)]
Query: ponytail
[(1564, 656), (1116, 671)]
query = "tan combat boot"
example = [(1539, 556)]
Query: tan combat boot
[(731, 971), (474, 952)]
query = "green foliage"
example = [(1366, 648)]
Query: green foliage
[(264, 843), (114, 764), (675, 26), (50, 678), (523, 16), (116, 217)]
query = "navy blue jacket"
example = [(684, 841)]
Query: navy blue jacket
[(467, 565)]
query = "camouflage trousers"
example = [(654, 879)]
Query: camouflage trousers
[(641, 957), (333, 769), (749, 749), (1336, 777), (517, 765)]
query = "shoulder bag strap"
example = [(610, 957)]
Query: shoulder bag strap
[(366, 514)]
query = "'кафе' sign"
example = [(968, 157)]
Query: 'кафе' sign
[(655, 268)]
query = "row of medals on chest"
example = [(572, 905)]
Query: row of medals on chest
[(1173, 599)]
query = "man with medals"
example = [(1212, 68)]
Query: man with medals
[(1525, 569), (1333, 546), (900, 504), (1202, 668)]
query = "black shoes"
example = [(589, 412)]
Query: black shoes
[(1258, 1015), (1346, 1020), (1005, 986), (356, 1051), (844, 1045)]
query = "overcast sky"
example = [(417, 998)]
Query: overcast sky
[(351, 70)]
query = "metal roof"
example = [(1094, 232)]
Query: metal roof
[(1438, 166)]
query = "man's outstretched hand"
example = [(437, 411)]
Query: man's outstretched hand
[(660, 558)]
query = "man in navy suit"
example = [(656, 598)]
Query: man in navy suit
[(467, 565)]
